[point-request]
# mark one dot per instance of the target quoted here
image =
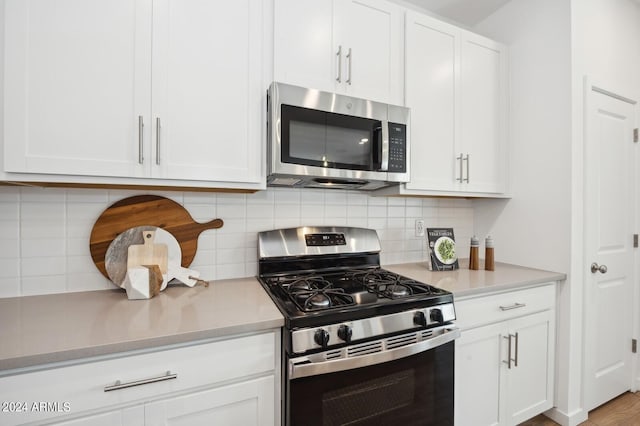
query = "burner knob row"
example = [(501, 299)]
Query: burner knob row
[(322, 336), (435, 315)]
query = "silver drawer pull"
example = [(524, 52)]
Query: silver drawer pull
[(514, 306), (119, 385)]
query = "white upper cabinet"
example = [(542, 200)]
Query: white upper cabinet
[(483, 90), (347, 46), (207, 109), (77, 77), (456, 87), (433, 66), (166, 90)]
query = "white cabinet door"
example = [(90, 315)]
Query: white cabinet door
[(77, 77), (431, 81), (482, 115), (456, 89), (478, 377), (133, 416), (303, 44), (346, 46), (249, 403), (208, 90), (530, 379), (370, 32)]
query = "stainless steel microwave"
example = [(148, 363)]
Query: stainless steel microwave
[(326, 140)]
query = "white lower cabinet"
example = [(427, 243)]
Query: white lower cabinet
[(232, 382), (505, 357), (247, 403)]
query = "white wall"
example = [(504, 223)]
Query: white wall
[(538, 215), (534, 228), (45, 232)]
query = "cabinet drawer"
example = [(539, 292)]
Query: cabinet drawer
[(503, 306), (80, 387)]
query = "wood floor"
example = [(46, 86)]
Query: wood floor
[(622, 411)]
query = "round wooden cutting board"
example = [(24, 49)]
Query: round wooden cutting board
[(147, 210)]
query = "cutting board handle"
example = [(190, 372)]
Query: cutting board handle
[(148, 253), (213, 224)]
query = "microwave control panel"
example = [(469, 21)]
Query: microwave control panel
[(397, 148)]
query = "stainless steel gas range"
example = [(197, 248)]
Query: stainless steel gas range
[(361, 345)]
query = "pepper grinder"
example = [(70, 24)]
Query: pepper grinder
[(489, 262), (474, 262)]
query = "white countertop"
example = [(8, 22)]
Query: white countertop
[(60, 327), (44, 329), (466, 283)]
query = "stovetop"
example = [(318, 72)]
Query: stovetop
[(326, 275), (311, 299)]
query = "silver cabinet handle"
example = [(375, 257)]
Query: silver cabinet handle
[(158, 127), (508, 361), (339, 59), (140, 139), (514, 306), (509, 350), (119, 385), (598, 268), (349, 57), (467, 160), (459, 159)]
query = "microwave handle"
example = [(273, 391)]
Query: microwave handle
[(384, 147)]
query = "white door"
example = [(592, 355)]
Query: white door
[(609, 227), (209, 90), (530, 378), (479, 376), (77, 77), (249, 403)]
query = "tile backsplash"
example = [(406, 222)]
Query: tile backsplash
[(45, 232)]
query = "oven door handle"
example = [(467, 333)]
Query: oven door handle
[(304, 368)]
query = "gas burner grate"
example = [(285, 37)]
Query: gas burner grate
[(315, 293), (391, 285)]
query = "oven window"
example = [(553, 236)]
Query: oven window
[(321, 139), (417, 390)]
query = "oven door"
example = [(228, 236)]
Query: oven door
[(387, 384)]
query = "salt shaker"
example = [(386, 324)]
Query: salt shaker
[(489, 262), (474, 262)]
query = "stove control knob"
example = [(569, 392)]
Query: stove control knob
[(345, 332), (420, 319), (436, 315), (321, 337)]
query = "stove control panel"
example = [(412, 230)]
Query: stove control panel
[(332, 239), (314, 338)]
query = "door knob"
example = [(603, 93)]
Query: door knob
[(598, 268)]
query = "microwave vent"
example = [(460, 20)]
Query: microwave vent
[(284, 181)]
